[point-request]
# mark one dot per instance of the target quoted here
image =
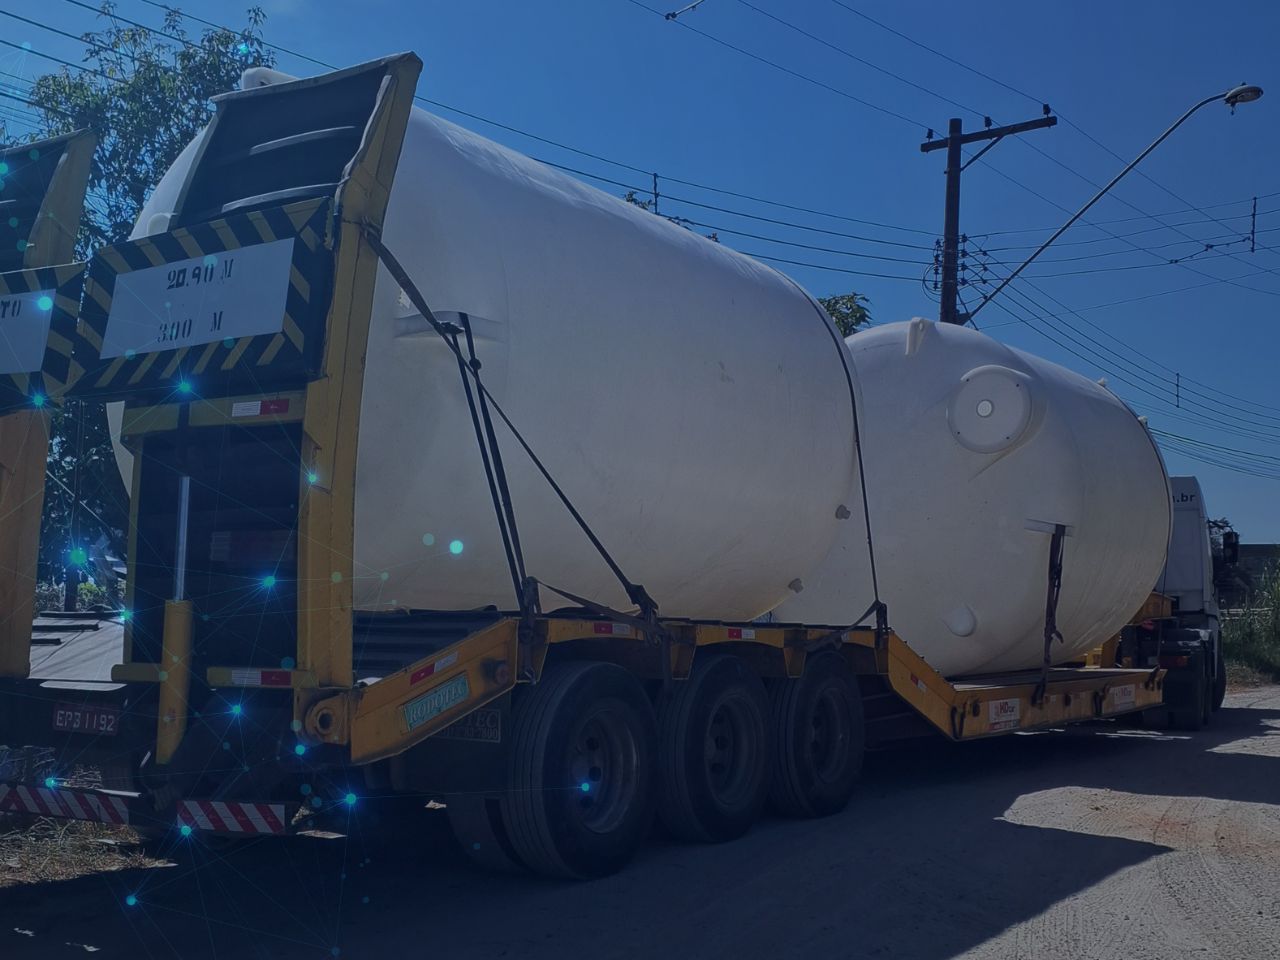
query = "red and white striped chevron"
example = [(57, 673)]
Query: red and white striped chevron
[(230, 816), (63, 802)]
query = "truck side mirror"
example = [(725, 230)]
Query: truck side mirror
[(1230, 547)]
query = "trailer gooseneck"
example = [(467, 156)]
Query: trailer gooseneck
[(236, 339)]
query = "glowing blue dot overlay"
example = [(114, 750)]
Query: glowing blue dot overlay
[(184, 386), (312, 477), (243, 48), (131, 900), (300, 749), (126, 616), (45, 303), (50, 782), (349, 799), (269, 581), (37, 401), (585, 787), (185, 831), (236, 709), (455, 547), (79, 556)]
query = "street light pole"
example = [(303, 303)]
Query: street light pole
[(1241, 94)]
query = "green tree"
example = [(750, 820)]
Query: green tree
[(145, 92), (848, 311)]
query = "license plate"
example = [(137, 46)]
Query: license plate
[(432, 704), (86, 718)]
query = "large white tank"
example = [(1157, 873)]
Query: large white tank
[(973, 451), (695, 406), (693, 403)]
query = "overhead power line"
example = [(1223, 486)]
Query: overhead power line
[(737, 213), (787, 70), (857, 59), (1036, 318), (32, 103), (1037, 149), (936, 53), (1205, 246), (682, 200), (497, 124), (1242, 465)]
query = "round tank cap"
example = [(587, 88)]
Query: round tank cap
[(962, 621), (991, 408)]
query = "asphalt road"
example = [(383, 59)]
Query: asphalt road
[(1099, 842)]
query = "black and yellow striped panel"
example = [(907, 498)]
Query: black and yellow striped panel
[(27, 299), (288, 356)]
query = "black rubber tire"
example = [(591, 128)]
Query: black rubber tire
[(1156, 718), (818, 737), (1191, 714), (583, 724), (1220, 682), (477, 826), (714, 751)]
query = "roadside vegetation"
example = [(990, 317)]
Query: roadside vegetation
[(1251, 636)]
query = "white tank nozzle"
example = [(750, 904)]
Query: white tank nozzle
[(263, 77)]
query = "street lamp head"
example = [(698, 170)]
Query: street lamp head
[(1245, 93)]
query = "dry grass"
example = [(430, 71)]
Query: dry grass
[(1251, 638), (41, 849)]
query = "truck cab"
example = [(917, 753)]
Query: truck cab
[(1191, 644), (1177, 629)]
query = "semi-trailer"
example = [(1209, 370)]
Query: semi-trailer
[(317, 414)]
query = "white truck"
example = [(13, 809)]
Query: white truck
[(1178, 629)]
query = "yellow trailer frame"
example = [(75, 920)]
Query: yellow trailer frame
[(328, 405), (405, 708), (47, 249)]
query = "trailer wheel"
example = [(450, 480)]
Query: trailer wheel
[(579, 798), (714, 751), (1190, 715), (477, 826), (818, 737)]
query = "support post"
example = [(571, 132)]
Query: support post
[(948, 311), (1051, 610)]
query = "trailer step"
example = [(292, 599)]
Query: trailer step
[(967, 708)]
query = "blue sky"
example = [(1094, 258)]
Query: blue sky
[(617, 80)]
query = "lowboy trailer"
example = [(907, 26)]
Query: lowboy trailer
[(243, 702)]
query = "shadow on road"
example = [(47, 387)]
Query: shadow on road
[(920, 865)]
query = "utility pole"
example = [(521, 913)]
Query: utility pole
[(954, 140)]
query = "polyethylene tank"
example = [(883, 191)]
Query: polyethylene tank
[(973, 452), (693, 403)]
